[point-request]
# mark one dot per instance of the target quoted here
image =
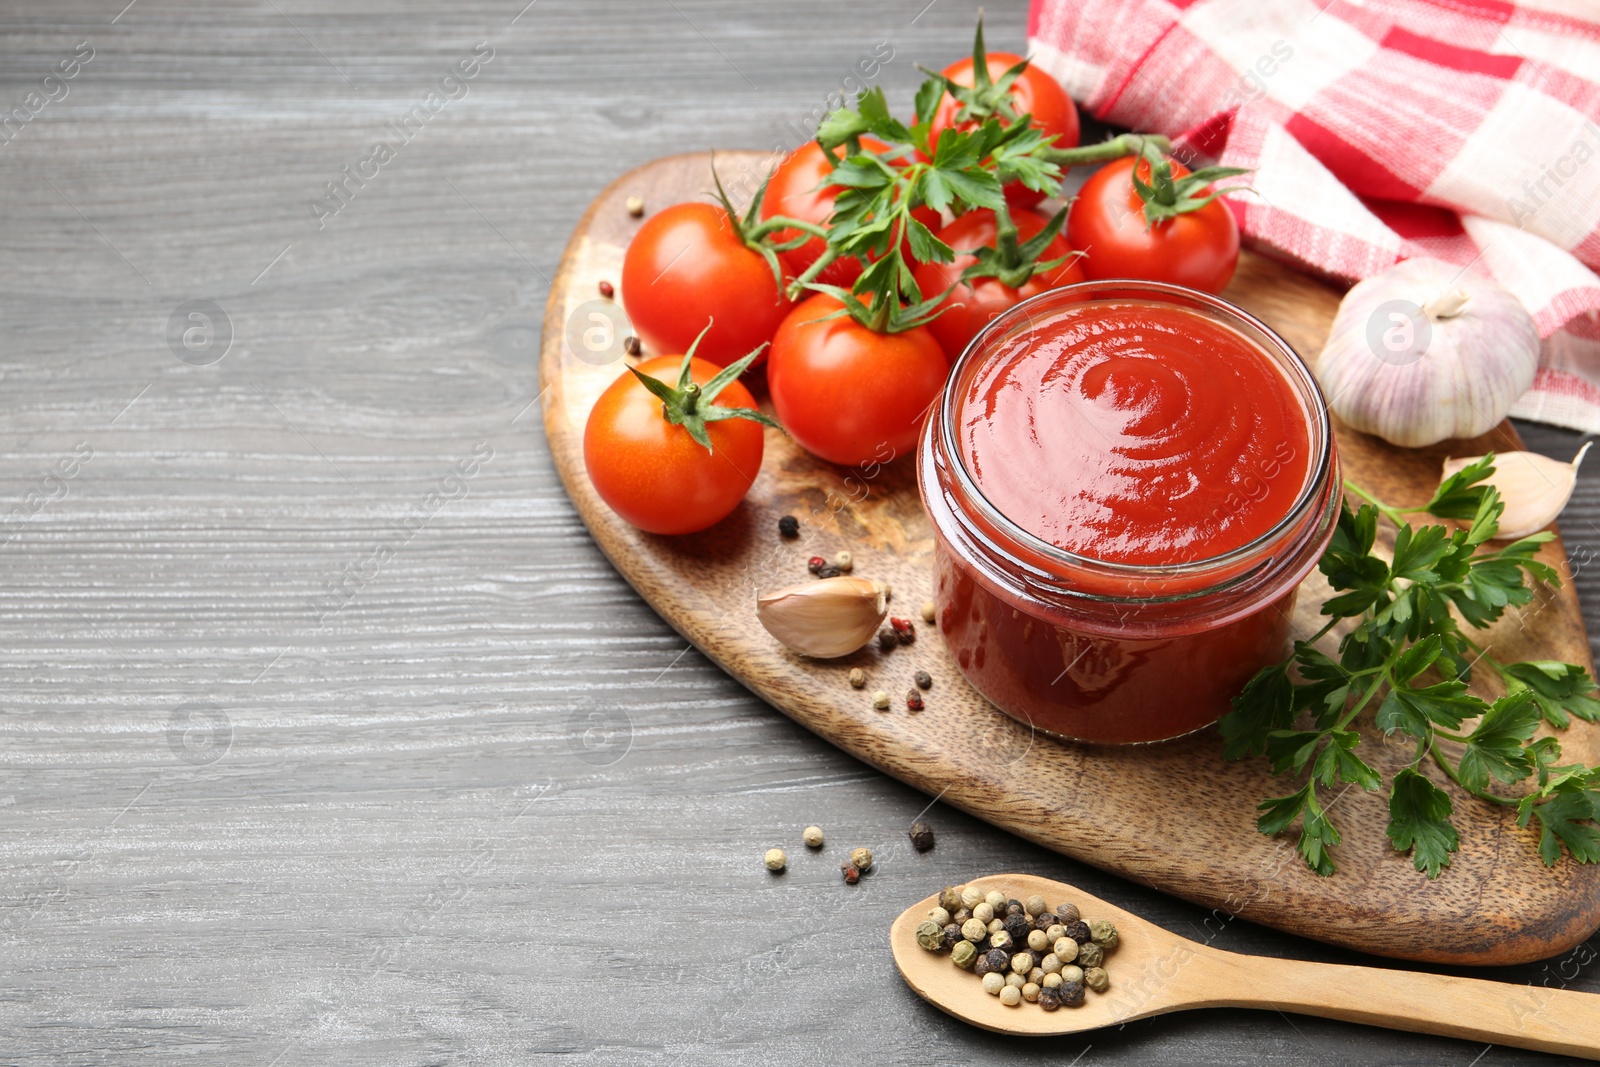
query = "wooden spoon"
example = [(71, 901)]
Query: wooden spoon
[(1153, 972)]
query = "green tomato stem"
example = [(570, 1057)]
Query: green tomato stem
[(1127, 144)]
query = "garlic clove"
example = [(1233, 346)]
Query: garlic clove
[(1534, 488), (827, 618)]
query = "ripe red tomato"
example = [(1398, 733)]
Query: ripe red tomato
[(972, 306), (847, 394), (797, 191), (1198, 249), (653, 473), (1034, 92), (687, 266)]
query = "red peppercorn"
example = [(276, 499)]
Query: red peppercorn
[(815, 564), (903, 629), (851, 873), (607, 290), (913, 700)]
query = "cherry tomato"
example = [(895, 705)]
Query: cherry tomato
[(797, 190), (687, 266), (1034, 92), (1198, 249), (847, 394), (653, 473), (971, 307)]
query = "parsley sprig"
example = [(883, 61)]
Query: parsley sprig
[(1406, 654)]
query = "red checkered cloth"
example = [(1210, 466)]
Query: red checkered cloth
[(1467, 130)]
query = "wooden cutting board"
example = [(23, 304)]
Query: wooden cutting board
[(1173, 816)]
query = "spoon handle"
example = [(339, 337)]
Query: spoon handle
[(1524, 1016)]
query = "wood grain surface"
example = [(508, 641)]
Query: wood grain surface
[(395, 839), (1174, 815)]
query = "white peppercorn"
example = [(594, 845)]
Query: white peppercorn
[(1011, 996), (635, 205), (775, 859), (939, 915), (1051, 981), (862, 858), (1051, 963), (880, 700), (1066, 949), (1034, 905), (1037, 974), (1055, 933), (1030, 992), (1016, 981), (996, 900), (993, 983), (974, 931), (930, 611), (1037, 941), (812, 836), (970, 898), (1096, 979), (1022, 962), (844, 561), (1072, 973), (983, 912), (995, 926)]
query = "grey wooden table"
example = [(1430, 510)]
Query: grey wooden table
[(327, 734)]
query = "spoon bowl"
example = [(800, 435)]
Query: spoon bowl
[(1153, 971)]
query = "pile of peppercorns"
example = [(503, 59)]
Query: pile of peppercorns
[(1022, 950)]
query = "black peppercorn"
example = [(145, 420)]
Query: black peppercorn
[(952, 934), (998, 959), (923, 679), (1013, 903), (1078, 931), (634, 347), (828, 570), (1044, 921), (1014, 908), (981, 966), (789, 526), (1049, 999), (1071, 994), (921, 836), (1018, 926), (851, 874), (887, 639)]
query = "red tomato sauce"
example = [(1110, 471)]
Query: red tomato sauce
[(1136, 433)]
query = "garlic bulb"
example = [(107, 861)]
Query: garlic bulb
[(826, 618), (1427, 351), (1535, 488)]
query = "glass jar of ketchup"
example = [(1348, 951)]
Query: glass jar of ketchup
[(1127, 482)]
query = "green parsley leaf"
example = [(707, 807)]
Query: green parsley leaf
[(1419, 822), (1495, 747)]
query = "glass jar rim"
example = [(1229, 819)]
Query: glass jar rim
[(1085, 292)]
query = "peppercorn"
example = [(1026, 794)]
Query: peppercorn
[(921, 835), (963, 954), (1079, 931), (607, 290), (880, 700), (851, 874), (970, 897), (960, 915), (950, 898), (1090, 954), (844, 561), (923, 679), (993, 983), (1055, 933), (939, 915), (815, 564), (980, 967), (998, 959), (1035, 905), (812, 836), (1103, 934), (973, 930), (862, 858), (983, 912), (905, 633), (913, 700), (1068, 913), (1030, 992), (788, 526), (775, 859), (1096, 979), (930, 935), (634, 347), (1022, 962), (1037, 942), (1015, 981), (1036, 974), (1001, 940), (1071, 973), (1072, 994), (952, 934), (1066, 950), (1051, 963), (1017, 927), (1051, 980), (827, 570), (1011, 996), (635, 205), (1049, 999), (1013, 908), (930, 611), (1045, 921), (887, 639), (997, 926), (996, 900)]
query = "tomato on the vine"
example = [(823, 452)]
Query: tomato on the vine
[(690, 265), (974, 304), (1178, 233), (799, 189), (663, 455), (849, 394), (1033, 92)]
